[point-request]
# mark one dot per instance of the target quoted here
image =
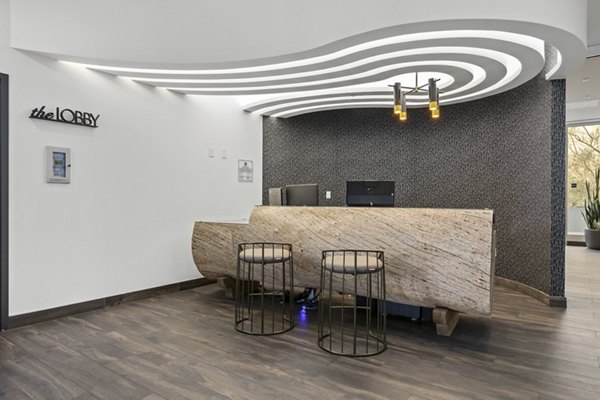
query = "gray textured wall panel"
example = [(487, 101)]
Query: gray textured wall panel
[(492, 153), (559, 138)]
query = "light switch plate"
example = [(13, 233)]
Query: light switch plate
[(211, 152), (328, 194), (223, 153)]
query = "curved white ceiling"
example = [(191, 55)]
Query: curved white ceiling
[(477, 57), (475, 63)]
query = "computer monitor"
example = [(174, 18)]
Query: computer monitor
[(370, 193), (275, 197), (302, 195)]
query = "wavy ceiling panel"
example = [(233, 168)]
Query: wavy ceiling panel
[(469, 64)]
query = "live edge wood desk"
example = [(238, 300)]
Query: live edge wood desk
[(438, 258)]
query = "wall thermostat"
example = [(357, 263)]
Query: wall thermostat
[(58, 164)]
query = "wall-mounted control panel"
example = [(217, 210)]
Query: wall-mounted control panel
[(58, 164)]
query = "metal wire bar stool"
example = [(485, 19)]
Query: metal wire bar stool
[(353, 323), (263, 288)]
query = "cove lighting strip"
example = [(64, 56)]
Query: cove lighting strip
[(477, 72), (487, 53), (348, 94)]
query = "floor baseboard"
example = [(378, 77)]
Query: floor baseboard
[(552, 301), (16, 321)]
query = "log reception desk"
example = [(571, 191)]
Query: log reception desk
[(438, 258)]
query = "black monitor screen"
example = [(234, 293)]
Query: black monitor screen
[(302, 195), (370, 193)]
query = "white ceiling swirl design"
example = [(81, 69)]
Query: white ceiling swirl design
[(470, 64)]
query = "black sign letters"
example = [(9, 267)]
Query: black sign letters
[(66, 116)]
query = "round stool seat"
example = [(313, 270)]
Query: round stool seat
[(265, 255), (264, 287), (351, 263), (352, 307)]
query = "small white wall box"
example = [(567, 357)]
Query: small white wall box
[(58, 164)]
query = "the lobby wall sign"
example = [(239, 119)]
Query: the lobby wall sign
[(66, 116)]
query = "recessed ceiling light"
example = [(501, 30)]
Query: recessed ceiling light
[(585, 79), (588, 96)]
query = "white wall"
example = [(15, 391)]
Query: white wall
[(138, 182)]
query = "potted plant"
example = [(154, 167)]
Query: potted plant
[(591, 213)]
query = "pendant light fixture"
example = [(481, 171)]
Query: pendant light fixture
[(403, 113), (434, 95), (400, 97), (399, 102), (397, 93)]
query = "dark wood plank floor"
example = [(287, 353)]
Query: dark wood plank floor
[(183, 346)]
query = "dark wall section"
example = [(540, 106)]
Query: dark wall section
[(503, 152), (559, 145), (3, 201)]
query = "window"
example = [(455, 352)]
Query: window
[(584, 159)]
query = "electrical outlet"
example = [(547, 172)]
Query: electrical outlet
[(211, 152), (328, 194), (223, 153)]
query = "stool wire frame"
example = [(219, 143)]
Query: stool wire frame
[(367, 337), (249, 291)]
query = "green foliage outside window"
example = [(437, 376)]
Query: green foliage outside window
[(584, 160)]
